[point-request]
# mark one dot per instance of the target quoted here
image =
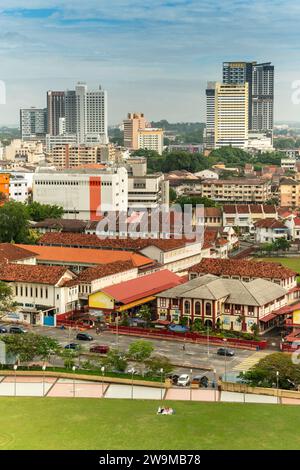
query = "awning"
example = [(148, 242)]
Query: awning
[(134, 304), (268, 317)]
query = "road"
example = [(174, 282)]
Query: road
[(194, 356)]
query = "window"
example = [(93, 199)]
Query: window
[(197, 308), (187, 307), (163, 302), (208, 308)]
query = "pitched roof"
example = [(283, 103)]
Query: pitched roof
[(269, 223), (212, 212), (242, 268), (65, 225), (10, 252), (93, 241), (143, 286), (32, 273), (249, 208), (256, 292), (87, 256), (103, 270)]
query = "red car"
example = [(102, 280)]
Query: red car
[(101, 349)]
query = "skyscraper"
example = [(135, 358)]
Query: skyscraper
[(55, 110), (231, 115), (260, 78), (132, 124), (33, 123), (210, 115)]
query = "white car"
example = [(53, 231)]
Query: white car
[(183, 380)]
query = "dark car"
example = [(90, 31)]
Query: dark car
[(100, 349), (3, 329), (17, 330), (72, 346), (174, 378), (84, 337), (225, 352), (201, 380)]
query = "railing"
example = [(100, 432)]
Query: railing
[(197, 337)]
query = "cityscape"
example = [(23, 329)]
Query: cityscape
[(149, 265)]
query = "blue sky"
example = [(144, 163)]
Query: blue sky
[(152, 56)]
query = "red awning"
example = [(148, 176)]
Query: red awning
[(268, 317)]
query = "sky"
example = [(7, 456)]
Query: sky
[(151, 56)]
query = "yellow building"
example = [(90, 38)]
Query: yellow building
[(4, 184)]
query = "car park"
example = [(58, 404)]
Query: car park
[(73, 346), (100, 349), (84, 337), (201, 380), (174, 378), (225, 352)]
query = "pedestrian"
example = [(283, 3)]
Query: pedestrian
[(183, 347)]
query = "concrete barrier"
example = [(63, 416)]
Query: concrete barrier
[(243, 388)]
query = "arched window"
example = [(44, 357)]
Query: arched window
[(208, 308), (187, 307), (197, 308)]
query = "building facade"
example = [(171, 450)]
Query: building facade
[(151, 139), (55, 111), (132, 124), (33, 123)]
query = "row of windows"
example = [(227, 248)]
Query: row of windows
[(25, 291)]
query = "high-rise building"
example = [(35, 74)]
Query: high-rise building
[(260, 79), (55, 111), (33, 123), (231, 115), (132, 124), (151, 139), (210, 116)]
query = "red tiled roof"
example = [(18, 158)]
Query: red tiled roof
[(10, 252), (242, 268), (93, 241), (242, 209), (104, 270), (88, 256), (269, 223), (268, 317), (268, 209), (32, 273), (144, 286), (212, 212)]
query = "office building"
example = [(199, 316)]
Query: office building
[(133, 123), (151, 139), (55, 111), (231, 115), (210, 116), (33, 123)]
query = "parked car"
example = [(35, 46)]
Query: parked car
[(183, 380), (201, 380), (84, 337), (100, 349), (17, 330), (174, 378), (72, 346), (225, 352), (3, 329)]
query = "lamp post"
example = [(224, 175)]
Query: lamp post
[(44, 368), (191, 371), (207, 339), (117, 331), (244, 387), (215, 387), (73, 369), (225, 360), (102, 370), (132, 372), (161, 384), (277, 385), (15, 386)]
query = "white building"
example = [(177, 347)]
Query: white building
[(84, 194), (33, 123), (269, 230), (18, 188), (207, 174), (24, 151), (289, 164), (151, 139)]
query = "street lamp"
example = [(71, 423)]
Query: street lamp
[(73, 369), (277, 384), (225, 359), (132, 372), (244, 387), (44, 368), (102, 370), (161, 383), (15, 386), (191, 371), (215, 382), (207, 339)]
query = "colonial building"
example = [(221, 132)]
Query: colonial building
[(269, 230), (244, 216)]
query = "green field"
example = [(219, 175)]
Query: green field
[(66, 423), (292, 263)]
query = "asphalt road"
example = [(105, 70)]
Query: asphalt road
[(194, 356)]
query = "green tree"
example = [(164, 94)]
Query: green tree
[(7, 303), (69, 357), (13, 222), (194, 200), (114, 361), (140, 350), (38, 212), (155, 363), (145, 313), (264, 373), (281, 244), (172, 195)]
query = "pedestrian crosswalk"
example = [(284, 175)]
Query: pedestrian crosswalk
[(250, 361)]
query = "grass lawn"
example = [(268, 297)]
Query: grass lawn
[(82, 423)]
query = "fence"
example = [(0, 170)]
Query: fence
[(243, 388), (196, 337)]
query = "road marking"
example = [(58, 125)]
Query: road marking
[(250, 361)]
